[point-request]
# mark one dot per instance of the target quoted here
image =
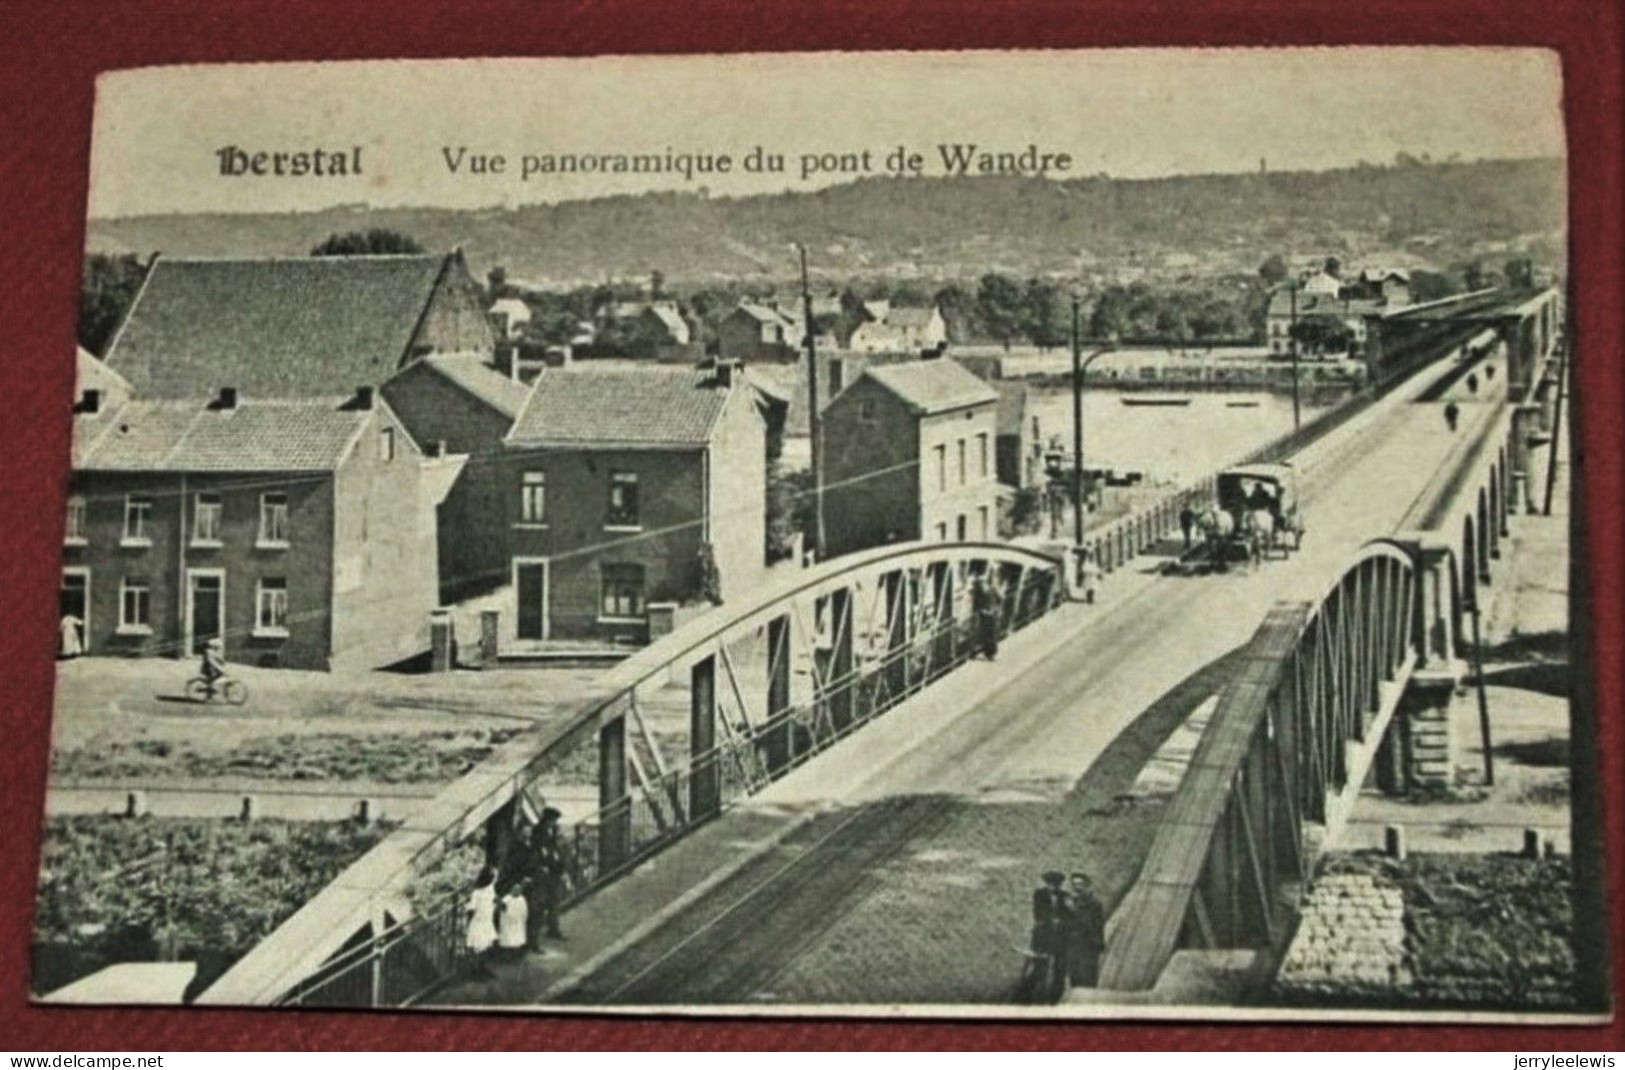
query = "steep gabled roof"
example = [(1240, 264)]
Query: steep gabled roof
[(932, 386), (278, 435), (474, 376), (916, 319), (293, 327), (622, 405), (93, 374)]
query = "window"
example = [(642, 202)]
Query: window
[(960, 528), (982, 514), (981, 452), (622, 592), (866, 407), (386, 444), (206, 510), (134, 607), (623, 500), (533, 498), (138, 519), (942, 531), (271, 607), (273, 519), (74, 532), (942, 466), (961, 462)]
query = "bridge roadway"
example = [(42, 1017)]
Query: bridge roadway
[(897, 868)]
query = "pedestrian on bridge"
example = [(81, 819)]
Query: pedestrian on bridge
[(545, 879), (480, 931), (1187, 524), (1452, 413)]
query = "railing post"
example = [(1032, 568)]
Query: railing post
[(896, 659), (776, 740), (704, 785), (843, 693), (614, 812)]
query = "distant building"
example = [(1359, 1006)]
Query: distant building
[(1373, 292), (626, 484), (309, 326), (1021, 439), (668, 323), (459, 402), (899, 330), (299, 531), (909, 453), (509, 317), (756, 332)]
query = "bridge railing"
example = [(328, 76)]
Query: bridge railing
[(1233, 845), (868, 633)]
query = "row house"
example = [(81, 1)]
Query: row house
[(458, 403), (909, 454), (894, 329), (632, 489), (299, 531), (755, 333)]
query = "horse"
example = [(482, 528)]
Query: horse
[(1258, 529)]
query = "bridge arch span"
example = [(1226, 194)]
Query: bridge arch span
[(1291, 739)]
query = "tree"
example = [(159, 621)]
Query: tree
[(790, 510), (1322, 334), (1431, 286), (376, 241), (998, 298), (1046, 324), (1273, 270), (108, 288)]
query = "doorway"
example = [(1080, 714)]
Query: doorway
[(530, 593), (75, 607), (206, 607)]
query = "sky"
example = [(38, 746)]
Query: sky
[(1127, 113)]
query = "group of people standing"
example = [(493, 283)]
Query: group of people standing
[(1069, 934), (515, 902)]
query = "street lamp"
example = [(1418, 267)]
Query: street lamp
[(1080, 364)]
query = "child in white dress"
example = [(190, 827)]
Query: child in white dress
[(481, 933), (513, 922)]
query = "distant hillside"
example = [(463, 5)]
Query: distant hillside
[(943, 228)]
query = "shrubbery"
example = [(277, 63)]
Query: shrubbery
[(191, 886)]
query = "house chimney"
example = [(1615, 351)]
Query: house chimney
[(227, 401), (726, 371), (90, 401), (363, 398), (439, 448)]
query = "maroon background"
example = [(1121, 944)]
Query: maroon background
[(49, 56)]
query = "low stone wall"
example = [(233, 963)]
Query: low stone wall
[(1350, 944)]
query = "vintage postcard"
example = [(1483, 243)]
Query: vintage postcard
[(1078, 534)]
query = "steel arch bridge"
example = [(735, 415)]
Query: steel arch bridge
[(766, 686)]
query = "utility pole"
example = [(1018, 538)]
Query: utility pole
[(1077, 427), (1292, 338), (815, 421), (1557, 428)]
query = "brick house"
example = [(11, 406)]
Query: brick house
[(311, 326), (623, 480), (300, 531), (459, 400), (909, 453), (755, 332)]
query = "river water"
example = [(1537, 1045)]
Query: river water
[(1167, 443)]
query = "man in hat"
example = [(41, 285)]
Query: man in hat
[(1085, 937), (546, 878), (1047, 977)]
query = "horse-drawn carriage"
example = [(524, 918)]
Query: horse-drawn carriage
[(1257, 514)]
